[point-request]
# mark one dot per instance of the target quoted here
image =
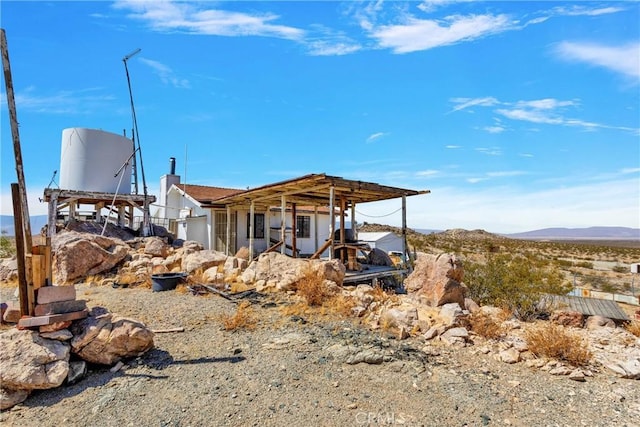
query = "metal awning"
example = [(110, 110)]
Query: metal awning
[(587, 306)]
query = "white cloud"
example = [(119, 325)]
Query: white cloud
[(376, 136), (427, 173), (331, 47), (546, 104), (525, 155), (494, 129), (629, 170), (585, 11), (544, 111), (422, 34), (502, 174), (464, 103), (168, 16), (620, 59), (475, 180), (452, 147), (166, 74), (432, 5), (493, 151), (84, 101)]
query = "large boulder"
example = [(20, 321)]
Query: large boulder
[(202, 260), (438, 278), (106, 338), (78, 255), (157, 247), (284, 272), (30, 362), (9, 398), (8, 269)]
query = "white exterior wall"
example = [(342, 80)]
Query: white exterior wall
[(181, 207), (306, 246), (190, 229), (384, 241)]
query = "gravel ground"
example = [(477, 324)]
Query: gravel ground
[(283, 374)]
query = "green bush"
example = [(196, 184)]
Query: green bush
[(514, 282), (7, 247)]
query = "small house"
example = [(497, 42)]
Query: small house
[(383, 240), (295, 216)]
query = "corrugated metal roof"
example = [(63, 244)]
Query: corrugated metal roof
[(587, 306)]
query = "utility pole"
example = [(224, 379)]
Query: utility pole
[(20, 191)]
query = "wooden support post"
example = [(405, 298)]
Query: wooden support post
[(294, 231), (20, 256), (52, 215), (227, 239), (252, 210), (406, 250), (332, 220), (315, 227), (343, 233), (354, 223), (283, 223), (48, 263)]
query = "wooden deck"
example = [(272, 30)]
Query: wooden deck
[(587, 306), (371, 272)]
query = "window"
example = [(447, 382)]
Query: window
[(303, 226), (258, 225)]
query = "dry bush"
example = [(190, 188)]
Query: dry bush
[(197, 277), (243, 318), (313, 288), (9, 283), (382, 296), (634, 327), (341, 304), (485, 326), (554, 341)]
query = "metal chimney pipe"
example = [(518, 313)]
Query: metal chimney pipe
[(172, 165)]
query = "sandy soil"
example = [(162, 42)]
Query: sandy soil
[(284, 373)]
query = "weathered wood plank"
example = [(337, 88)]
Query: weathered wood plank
[(60, 307), (29, 322)]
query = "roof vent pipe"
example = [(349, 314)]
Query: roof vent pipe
[(172, 165)]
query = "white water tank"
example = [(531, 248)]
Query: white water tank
[(90, 158)]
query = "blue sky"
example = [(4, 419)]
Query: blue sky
[(516, 115)]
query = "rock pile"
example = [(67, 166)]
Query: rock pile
[(31, 360)]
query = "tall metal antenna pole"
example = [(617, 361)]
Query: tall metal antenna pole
[(136, 135)]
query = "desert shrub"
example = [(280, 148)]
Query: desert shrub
[(313, 288), (620, 269), (7, 246), (243, 318), (633, 327), (585, 264), (596, 282), (554, 341), (514, 283), (485, 326)]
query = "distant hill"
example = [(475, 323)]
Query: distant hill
[(7, 226), (610, 233)]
